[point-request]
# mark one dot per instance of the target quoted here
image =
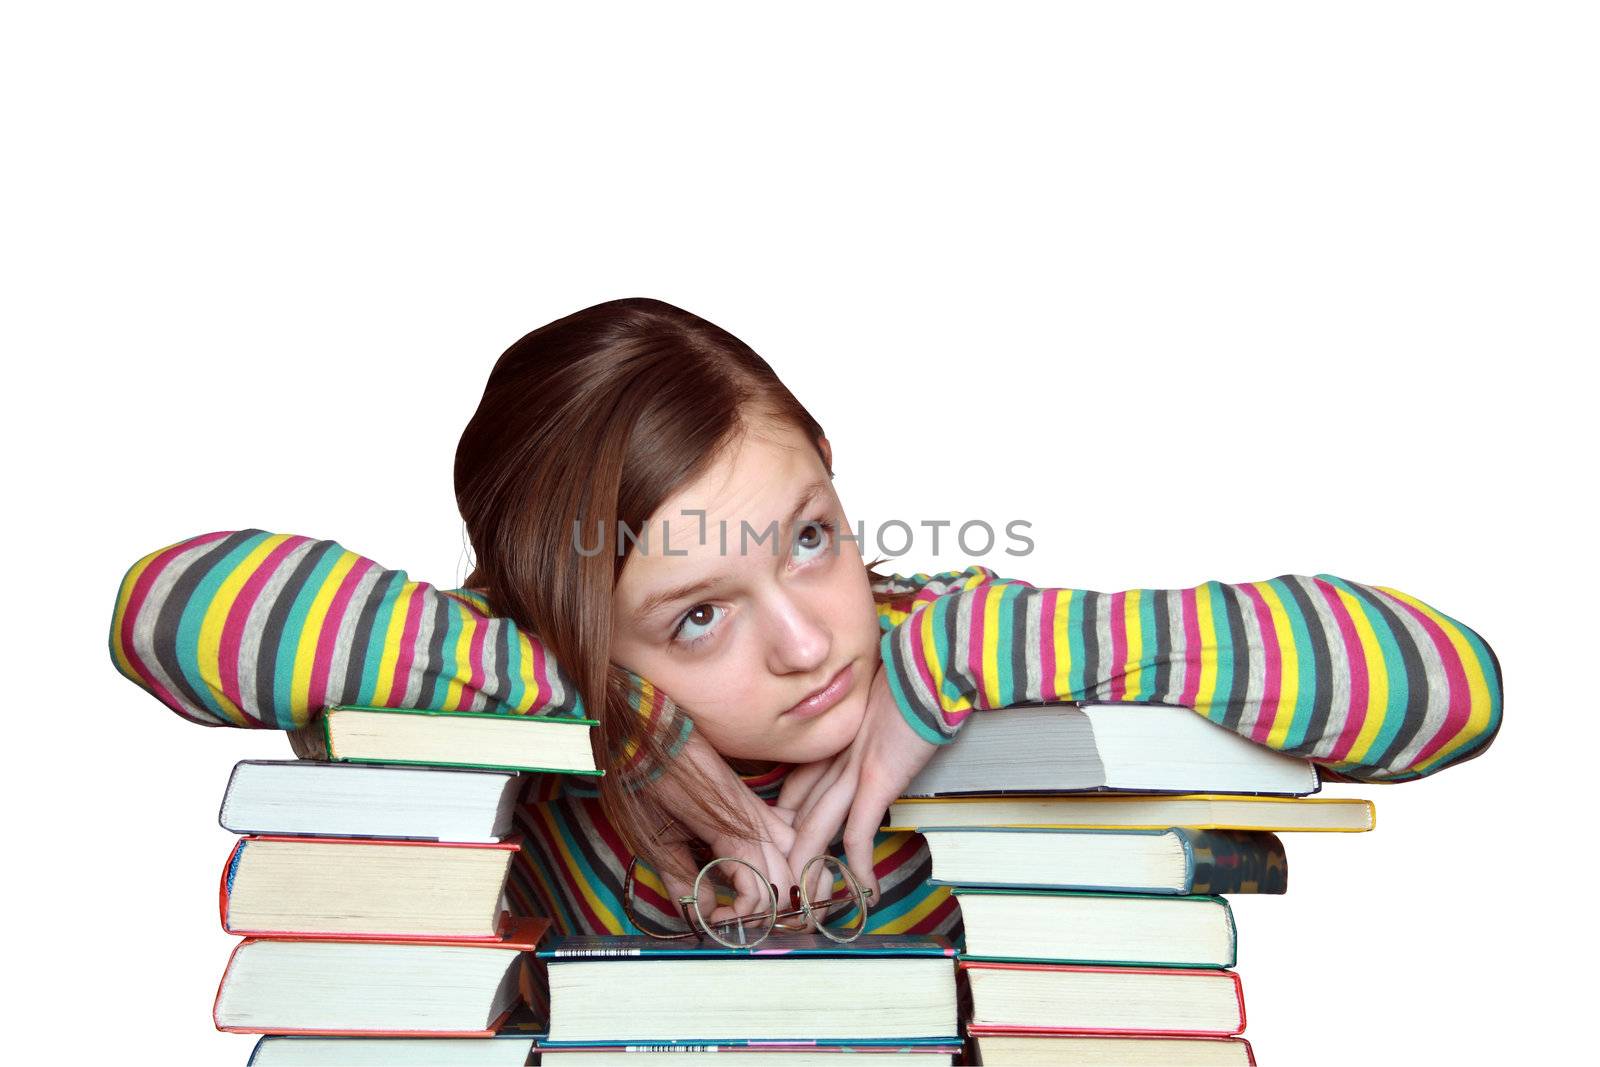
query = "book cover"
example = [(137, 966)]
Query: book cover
[(1194, 974), (266, 1043), (1133, 811), (993, 1031), (950, 1045), (366, 816), (522, 935), (593, 946), (1199, 899), (231, 869), (534, 720), (1215, 861)]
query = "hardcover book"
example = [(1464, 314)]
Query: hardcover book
[(1022, 1049), (1174, 860), (1090, 746), (460, 739), (1134, 812), (308, 798), (746, 1053), (342, 887), (1043, 926), (1050, 997), (428, 988), (790, 987), (298, 1050)]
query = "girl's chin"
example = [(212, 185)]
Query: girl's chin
[(825, 737)]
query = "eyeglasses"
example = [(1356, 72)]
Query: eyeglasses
[(832, 914)]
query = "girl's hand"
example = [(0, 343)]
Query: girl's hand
[(854, 788), (769, 854)]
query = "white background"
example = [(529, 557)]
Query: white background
[(1219, 291)]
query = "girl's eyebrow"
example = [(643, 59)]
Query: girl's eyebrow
[(656, 601)]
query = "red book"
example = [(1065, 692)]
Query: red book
[(1005, 1046), (1057, 998), (340, 887), (375, 987)]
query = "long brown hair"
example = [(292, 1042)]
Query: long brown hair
[(592, 421)]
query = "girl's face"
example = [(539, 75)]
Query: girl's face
[(739, 636)]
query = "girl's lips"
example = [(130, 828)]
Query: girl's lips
[(824, 699)]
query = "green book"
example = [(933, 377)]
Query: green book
[(1113, 929), (482, 740)]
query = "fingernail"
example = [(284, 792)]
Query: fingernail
[(794, 896)]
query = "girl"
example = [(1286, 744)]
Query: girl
[(658, 546)]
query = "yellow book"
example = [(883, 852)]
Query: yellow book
[(1135, 811)]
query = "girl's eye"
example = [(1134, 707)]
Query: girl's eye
[(699, 622), (699, 615), (822, 529)]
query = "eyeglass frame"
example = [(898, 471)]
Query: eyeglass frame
[(800, 904)]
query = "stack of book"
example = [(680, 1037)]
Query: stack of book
[(793, 999), (1090, 847), (369, 889)]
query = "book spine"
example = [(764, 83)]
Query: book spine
[(1235, 861), (225, 890), (227, 795)]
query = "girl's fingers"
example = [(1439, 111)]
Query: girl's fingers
[(782, 874), (823, 887), (797, 783), (751, 896), (817, 827), (780, 831), (786, 814), (861, 828), (820, 789), (679, 886)]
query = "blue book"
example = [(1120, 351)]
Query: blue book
[(938, 1050), (878, 990), (561, 947)]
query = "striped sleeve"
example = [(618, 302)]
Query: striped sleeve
[(253, 629), (1369, 682), (908, 593)]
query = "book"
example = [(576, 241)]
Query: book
[(299, 1050), (374, 986), (747, 1053), (459, 739), (1174, 860), (1053, 997), (1106, 1050), (608, 988), (308, 798), (1022, 925), (339, 887), (1110, 810), (1117, 746)]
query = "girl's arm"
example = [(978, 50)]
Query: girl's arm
[(247, 628), (1366, 681)]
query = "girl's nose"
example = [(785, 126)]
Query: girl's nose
[(801, 641)]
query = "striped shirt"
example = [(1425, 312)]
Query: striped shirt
[(252, 629)]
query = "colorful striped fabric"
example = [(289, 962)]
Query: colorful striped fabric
[(1365, 680), (247, 628), (254, 629)]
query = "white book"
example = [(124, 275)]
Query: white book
[(318, 798), (381, 988), (1141, 748), (502, 1050)]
